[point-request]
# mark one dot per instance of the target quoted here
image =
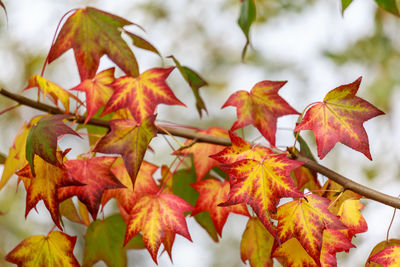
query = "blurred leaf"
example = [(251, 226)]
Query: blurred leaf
[(142, 43), (246, 18), (389, 5), (2, 158), (345, 4)]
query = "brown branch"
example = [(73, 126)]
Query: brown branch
[(193, 134)]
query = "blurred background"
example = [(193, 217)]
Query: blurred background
[(309, 43)]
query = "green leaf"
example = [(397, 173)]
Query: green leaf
[(181, 185), (246, 18), (105, 242), (205, 221), (195, 82), (390, 5), (345, 4), (142, 43), (42, 139)]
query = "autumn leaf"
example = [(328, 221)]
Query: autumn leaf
[(379, 247), (195, 81), (142, 94), (98, 91), (92, 33), (261, 107), (291, 253), (55, 249), (104, 241), (42, 139), (333, 241), (213, 192), (127, 196), (305, 219), (350, 215), (201, 152), (340, 118), (240, 149), (306, 178), (95, 175), (55, 91), (257, 244), (154, 216), (129, 139), (69, 211), (45, 185), (261, 184), (246, 18), (388, 257), (142, 43)]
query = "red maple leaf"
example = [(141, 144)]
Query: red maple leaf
[(213, 192), (340, 118), (261, 107), (96, 176), (142, 94)]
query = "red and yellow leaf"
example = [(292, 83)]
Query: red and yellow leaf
[(55, 91), (142, 94), (340, 118), (350, 215), (306, 178), (42, 139), (388, 257), (261, 107), (261, 184), (95, 175), (379, 247), (98, 91), (44, 186), (154, 216), (92, 33), (333, 241), (201, 152), (129, 139), (55, 249), (306, 219), (213, 192), (292, 254), (257, 244)]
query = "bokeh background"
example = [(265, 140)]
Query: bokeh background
[(309, 43)]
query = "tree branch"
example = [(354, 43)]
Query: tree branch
[(193, 134)]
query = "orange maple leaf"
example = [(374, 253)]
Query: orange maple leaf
[(379, 247), (305, 219), (261, 184), (333, 241), (129, 139), (350, 215), (340, 118), (388, 257), (213, 192), (154, 216), (201, 152), (55, 249), (142, 94), (261, 107), (292, 254), (95, 175), (98, 91), (91, 33)]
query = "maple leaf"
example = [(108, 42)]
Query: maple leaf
[(257, 244), (350, 215), (69, 211), (195, 82), (201, 152), (291, 253), (142, 43), (127, 196), (142, 94), (340, 118), (306, 178), (213, 192), (261, 107), (91, 33), (379, 247), (334, 192), (104, 241), (55, 249), (154, 216), (129, 139), (98, 91), (95, 175), (261, 184), (388, 257), (55, 91), (305, 219), (240, 149), (45, 184), (42, 139), (333, 241)]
